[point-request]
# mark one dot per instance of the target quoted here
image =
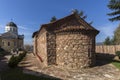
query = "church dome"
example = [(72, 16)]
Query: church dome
[(11, 24), (11, 27)]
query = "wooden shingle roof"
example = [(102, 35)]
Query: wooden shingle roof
[(80, 24), (35, 33)]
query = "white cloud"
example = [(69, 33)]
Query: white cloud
[(108, 29), (22, 27)]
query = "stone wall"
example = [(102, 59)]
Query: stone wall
[(68, 42), (51, 48), (34, 45), (11, 44), (42, 48), (75, 50), (20, 43), (71, 50)]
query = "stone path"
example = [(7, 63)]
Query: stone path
[(105, 72), (30, 64), (3, 62)]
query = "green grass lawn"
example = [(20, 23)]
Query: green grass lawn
[(116, 63), (16, 74)]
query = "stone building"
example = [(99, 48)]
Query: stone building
[(10, 40), (67, 43)]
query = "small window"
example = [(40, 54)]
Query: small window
[(8, 43)]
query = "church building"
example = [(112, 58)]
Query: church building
[(11, 40), (67, 43)]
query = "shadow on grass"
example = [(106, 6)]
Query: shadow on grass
[(7, 73), (3, 63), (17, 74)]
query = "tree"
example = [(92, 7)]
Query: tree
[(107, 41), (112, 41), (28, 47), (53, 19), (117, 35), (80, 13), (114, 5)]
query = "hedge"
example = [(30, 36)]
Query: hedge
[(118, 54)]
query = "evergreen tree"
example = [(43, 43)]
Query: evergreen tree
[(107, 41), (53, 19), (114, 5), (112, 41), (117, 35), (81, 13)]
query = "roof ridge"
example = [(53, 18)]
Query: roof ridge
[(84, 22), (58, 19)]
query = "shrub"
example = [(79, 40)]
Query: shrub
[(118, 53), (1, 49), (14, 60), (21, 56)]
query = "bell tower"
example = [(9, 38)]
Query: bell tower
[(11, 27)]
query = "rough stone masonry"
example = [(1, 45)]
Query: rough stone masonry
[(67, 43)]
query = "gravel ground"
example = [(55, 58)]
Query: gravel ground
[(103, 72)]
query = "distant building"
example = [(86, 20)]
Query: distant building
[(68, 43), (10, 40)]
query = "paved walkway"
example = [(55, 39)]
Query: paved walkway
[(104, 72)]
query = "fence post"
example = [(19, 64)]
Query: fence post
[(102, 48)]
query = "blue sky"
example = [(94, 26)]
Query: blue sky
[(30, 14)]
